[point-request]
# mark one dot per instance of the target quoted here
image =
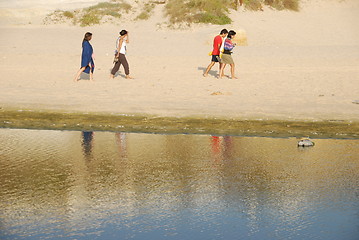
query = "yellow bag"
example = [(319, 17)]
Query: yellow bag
[(221, 53), (210, 53)]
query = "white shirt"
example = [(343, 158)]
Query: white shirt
[(123, 46)]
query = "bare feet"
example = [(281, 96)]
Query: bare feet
[(205, 74), (129, 77), (112, 76)]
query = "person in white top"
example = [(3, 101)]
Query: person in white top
[(120, 55)]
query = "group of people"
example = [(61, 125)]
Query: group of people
[(87, 59), (222, 50)]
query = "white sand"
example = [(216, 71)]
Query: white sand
[(297, 65)]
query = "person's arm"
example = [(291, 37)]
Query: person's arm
[(119, 46), (128, 38), (233, 44)]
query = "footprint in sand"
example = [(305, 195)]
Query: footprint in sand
[(220, 93)]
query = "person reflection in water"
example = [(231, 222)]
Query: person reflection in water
[(87, 138), (122, 144), (221, 148)]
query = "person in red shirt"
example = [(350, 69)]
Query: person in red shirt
[(217, 43)]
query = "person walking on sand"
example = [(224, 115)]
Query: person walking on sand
[(227, 54), (217, 43), (87, 62), (239, 4), (120, 55)]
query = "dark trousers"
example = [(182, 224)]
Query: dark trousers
[(121, 60)]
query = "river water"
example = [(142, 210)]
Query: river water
[(105, 185)]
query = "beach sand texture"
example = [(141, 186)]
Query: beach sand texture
[(294, 66)]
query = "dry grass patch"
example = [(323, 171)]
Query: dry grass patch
[(256, 5), (198, 11), (146, 11), (91, 15)]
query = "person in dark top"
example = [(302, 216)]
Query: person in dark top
[(87, 62)]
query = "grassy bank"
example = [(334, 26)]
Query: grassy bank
[(52, 120), (198, 11)]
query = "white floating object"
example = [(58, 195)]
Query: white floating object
[(305, 143)]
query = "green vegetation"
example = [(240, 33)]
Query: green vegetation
[(68, 14), (57, 120), (283, 4), (94, 14), (91, 15), (253, 5), (216, 11), (178, 11), (256, 5), (89, 19), (105, 7), (146, 13), (199, 11)]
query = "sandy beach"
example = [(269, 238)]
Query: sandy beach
[(295, 66)]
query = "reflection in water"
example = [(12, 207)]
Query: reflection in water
[(143, 186), (221, 148), (121, 143), (87, 143)]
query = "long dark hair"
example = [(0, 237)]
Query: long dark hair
[(231, 34), (87, 37)]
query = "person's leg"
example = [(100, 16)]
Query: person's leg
[(125, 65), (77, 77), (91, 74), (205, 74), (233, 71), (115, 69), (222, 70), (220, 67), (239, 4)]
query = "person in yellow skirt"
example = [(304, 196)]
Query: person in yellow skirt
[(227, 55)]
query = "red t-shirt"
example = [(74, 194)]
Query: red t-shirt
[(217, 45)]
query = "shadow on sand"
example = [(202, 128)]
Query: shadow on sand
[(210, 73)]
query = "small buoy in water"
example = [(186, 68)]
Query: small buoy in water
[(305, 143)]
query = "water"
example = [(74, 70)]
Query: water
[(103, 185)]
